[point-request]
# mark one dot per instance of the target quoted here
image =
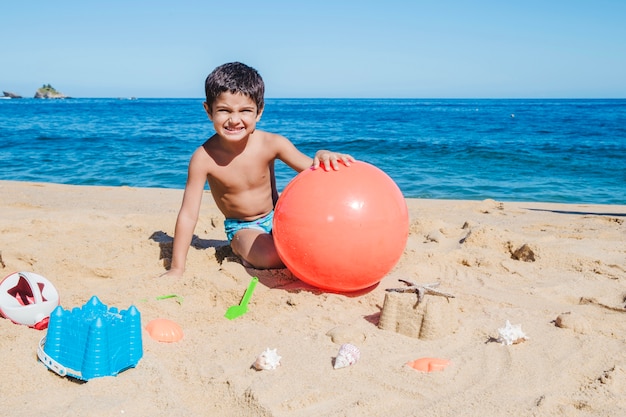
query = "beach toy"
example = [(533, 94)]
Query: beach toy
[(429, 364), (164, 330), (341, 230), (178, 298), (27, 298), (92, 341), (239, 310)]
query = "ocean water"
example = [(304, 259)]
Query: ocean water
[(569, 151)]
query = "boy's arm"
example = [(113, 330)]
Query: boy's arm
[(290, 155), (187, 217)]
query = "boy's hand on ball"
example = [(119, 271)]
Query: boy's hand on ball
[(328, 160)]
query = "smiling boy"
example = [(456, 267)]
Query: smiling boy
[(238, 164)]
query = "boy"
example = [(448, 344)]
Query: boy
[(238, 163)]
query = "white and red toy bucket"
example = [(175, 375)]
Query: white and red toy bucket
[(28, 298)]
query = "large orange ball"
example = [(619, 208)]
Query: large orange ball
[(341, 230)]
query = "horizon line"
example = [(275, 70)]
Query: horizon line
[(317, 98)]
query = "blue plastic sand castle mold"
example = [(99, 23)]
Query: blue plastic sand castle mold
[(92, 341)]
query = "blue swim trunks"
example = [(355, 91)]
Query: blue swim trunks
[(232, 226)]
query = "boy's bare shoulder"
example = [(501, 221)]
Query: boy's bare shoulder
[(201, 157)]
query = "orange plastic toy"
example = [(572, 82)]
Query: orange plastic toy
[(341, 230), (429, 364), (164, 330)]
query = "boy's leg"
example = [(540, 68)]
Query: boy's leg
[(256, 248)]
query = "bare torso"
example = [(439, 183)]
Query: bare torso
[(241, 175)]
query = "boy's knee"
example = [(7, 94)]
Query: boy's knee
[(263, 255), (257, 249)]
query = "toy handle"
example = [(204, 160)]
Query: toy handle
[(248, 294), (48, 361), (34, 288)]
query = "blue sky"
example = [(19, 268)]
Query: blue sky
[(383, 48)]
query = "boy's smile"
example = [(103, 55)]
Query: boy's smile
[(234, 116)]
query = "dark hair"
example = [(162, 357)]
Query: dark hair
[(235, 77)]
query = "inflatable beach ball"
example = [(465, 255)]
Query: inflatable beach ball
[(341, 230), (27, 298)]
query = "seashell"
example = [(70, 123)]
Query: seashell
[(267, 360), (511, 334), (348, 355)]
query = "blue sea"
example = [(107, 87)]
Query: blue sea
[(550, 150)]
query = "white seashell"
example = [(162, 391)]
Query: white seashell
[(348, 355), (267, 360), (511, 335)]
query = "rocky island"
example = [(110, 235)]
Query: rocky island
[(8, 94), (49, 92), (46, 92)]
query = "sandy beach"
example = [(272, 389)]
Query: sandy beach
[(567, 292)]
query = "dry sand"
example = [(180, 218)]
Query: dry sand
[(113, 242)]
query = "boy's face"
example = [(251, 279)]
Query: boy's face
[(234, 116)]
